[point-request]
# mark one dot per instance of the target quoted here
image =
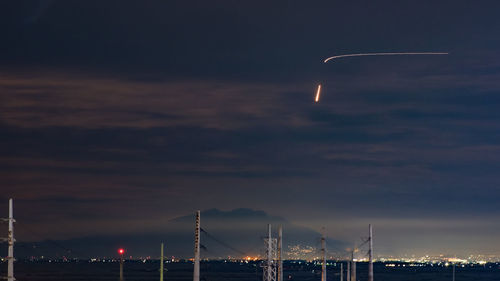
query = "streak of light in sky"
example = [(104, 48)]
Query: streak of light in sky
[(376, 54), (318, 93), (383, 54)]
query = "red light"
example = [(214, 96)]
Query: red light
[(121, 251)]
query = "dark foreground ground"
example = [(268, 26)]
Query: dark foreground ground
[(222, 271)]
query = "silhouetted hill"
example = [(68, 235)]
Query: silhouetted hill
[(227, 233)]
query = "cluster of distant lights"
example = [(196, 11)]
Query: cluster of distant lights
[(420, 264), (252, 260), (389, 262)]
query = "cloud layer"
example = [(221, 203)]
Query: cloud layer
[(115, 116)]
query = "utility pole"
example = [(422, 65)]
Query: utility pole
[(269, 270), (280, 254), (370, 253), (348, 271), (161, 263), (453, 271), (196, 272), (353, 267), (323, 254), (10, 241), (341, 271)]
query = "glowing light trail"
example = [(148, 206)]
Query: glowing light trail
[(317, 93), (376, 54), (384, 54)]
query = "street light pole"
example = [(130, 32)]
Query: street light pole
[(161, 263)]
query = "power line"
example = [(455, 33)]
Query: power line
[(222, 243)]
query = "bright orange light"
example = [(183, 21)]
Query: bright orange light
[(121, 251), (318, 91)]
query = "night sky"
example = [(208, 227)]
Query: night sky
[(117, 116)]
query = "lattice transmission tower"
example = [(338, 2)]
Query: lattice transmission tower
[(270, 264)]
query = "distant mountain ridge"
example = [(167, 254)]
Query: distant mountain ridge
[(228, 233)]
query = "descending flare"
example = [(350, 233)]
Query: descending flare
[(317, 93)]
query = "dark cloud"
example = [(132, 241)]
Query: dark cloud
[(40, 9)]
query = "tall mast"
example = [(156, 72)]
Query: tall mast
[(269, 253), (370, 253), (323, 254), (453, 271), (161, 263), (353, 267), (348, 270), (280, 254), (10, 241), (121, 251), (269, 268), (196, 272), (341, 271)]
